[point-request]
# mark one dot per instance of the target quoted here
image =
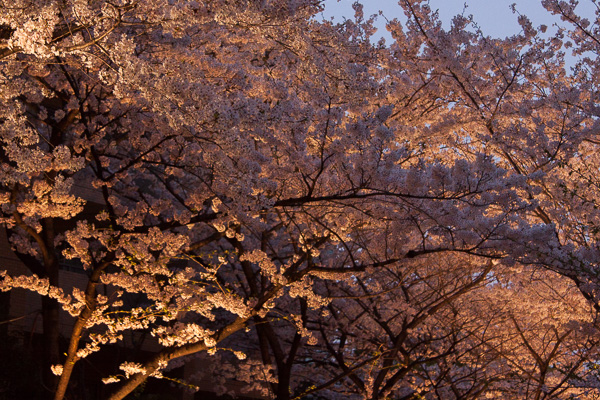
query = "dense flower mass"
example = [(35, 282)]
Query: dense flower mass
[(313, 213)]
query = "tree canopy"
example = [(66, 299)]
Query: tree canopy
[(324, 216)]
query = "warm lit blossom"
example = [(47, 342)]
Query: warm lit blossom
[(346, 219)]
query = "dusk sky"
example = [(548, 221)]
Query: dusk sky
[(493, 16)]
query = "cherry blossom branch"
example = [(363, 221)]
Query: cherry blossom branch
[(78, 328)]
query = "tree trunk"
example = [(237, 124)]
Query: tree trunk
[(50, 344), (50, 310), (283, 387), (45, 268)]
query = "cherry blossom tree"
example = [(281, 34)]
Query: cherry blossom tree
[(469, 337), (280, 190)]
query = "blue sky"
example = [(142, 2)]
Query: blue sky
[(494, 17)]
